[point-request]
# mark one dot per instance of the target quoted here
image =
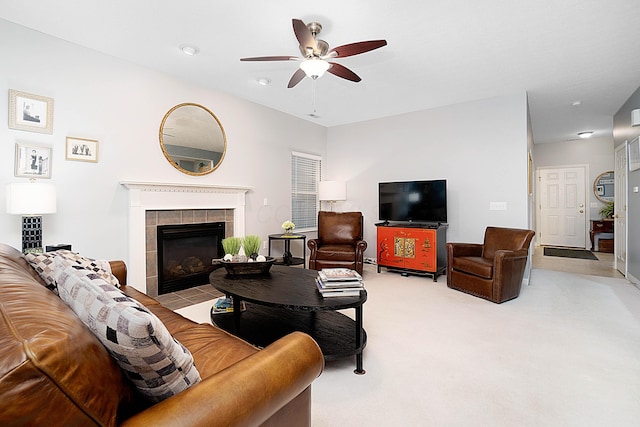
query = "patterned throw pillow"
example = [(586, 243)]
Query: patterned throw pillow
[(45, 266), (155, 362)]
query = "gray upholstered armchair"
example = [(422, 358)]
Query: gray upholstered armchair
[(339, 242), (492, 270)]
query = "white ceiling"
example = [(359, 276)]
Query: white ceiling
[(439, 52)]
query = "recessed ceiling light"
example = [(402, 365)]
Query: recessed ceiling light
[(264, 81), (576, 103), (586, 134), (188, 49)]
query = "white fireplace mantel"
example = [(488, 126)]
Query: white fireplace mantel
[(144, 196)]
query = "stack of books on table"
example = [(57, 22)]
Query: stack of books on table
[(339, 282), (225, 305)]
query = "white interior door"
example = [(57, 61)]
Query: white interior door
[(620, 209), (562, 204)]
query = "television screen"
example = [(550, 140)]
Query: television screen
[(413, 201)]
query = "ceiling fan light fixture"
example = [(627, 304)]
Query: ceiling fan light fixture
[(314, 67), (586, 134)]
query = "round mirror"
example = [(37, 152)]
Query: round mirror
[(192, 139), (603, 187)]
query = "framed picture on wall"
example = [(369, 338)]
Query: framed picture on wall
[(32, 161), (634, 155), (83, 150), (33, 113)]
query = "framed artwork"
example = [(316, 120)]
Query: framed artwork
[(83, 150), (33, 113), (33, 161), (634, 155)]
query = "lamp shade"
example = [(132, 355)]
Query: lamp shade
[(332, 190), (31, 198)]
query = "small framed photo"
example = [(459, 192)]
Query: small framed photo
[(83, 150), (33, 161), (33, 113)]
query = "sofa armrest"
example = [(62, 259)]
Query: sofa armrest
[(313, 244), (361, 246), (509, 255), (464, 249), (246, 393), (119, 269), (509, 261)]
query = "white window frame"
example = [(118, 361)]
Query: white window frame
[(306, 172)]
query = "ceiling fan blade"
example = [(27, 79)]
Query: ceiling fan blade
[(342, 71), (304, 36), (296, 78), (355, 48), (270, 58)]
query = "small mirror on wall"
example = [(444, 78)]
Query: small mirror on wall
[(603, 187), (192, 139)]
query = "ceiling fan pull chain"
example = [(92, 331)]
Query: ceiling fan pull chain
[(313, 95)]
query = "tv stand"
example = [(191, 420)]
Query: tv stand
[(412, 248)]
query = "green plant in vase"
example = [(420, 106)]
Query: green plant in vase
[(251, 246), (288, 227), (231, 247), (607, 210)]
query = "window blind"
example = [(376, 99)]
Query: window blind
[(305, 175)]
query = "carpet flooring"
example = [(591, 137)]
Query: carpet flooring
[(570, 253), (565, 353)]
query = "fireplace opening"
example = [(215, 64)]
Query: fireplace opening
[(185, 252)]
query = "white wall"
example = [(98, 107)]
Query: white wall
[(480, 148), (597, 153), (623, 131), (121, 105)]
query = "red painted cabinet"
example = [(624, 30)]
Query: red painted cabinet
[(412, 249)]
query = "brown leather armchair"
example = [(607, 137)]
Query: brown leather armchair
[(339, 242), (492, 270)]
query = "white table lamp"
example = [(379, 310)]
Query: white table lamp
[(332, 191), (31, 200)]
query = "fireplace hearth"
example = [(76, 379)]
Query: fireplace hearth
[(185, 252)]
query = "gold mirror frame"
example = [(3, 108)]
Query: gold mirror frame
[(198, 141), (603, 187)]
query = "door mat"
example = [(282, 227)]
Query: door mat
[(570, 253)]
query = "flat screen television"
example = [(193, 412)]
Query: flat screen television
[(413, 201)]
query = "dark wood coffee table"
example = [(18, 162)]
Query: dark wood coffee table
[(285, 300)]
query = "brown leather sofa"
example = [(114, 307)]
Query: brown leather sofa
[(339, 243), (492, 270), (54, 371)]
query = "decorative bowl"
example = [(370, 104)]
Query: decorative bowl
[(246, 268)]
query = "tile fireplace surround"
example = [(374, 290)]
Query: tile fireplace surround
[(149, 199)]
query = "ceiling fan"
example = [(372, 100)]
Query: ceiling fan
[(316, 52)]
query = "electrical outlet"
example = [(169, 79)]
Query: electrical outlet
[(369, 260)]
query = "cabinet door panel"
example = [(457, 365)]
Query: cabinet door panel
[(389, 246), (424, 250)]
